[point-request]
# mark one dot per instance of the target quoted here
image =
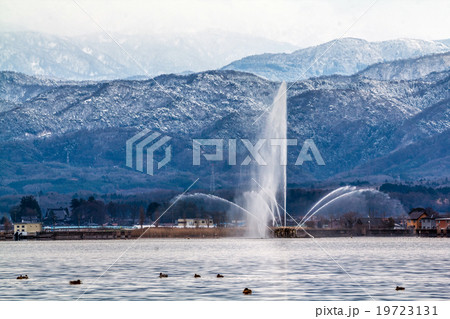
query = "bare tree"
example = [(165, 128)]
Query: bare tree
[(141, 216), (348, 220), (7, 224)]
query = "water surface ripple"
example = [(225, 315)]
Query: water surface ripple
[(275, 269)]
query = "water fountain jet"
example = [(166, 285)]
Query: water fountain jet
[(271, 178), (260, 201)]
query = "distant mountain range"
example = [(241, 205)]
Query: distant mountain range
[(344, 56), (97, 57), (65, 136), (376, 110)]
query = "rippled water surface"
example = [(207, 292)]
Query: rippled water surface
[(275, 269)]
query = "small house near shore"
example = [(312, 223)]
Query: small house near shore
[(421, 218), (57, 215), (27, 228)]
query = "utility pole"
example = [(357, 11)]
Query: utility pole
[(212, 186)]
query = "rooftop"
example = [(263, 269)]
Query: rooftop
[(416, 213)]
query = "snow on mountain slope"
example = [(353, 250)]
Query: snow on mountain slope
[(344, 56), (353, 121), (52, 56), (97, 57), (444, 41), (183, 104), (409, 69)]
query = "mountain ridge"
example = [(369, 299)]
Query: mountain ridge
[(60, 131), (97, 57), (408, 69), (342, 56)]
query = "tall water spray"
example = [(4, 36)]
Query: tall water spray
[(263, 200)]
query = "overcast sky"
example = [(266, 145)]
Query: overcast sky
[(302, 23)]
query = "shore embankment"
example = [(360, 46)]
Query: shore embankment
[(297, 232), (154, 232), (216, 232)]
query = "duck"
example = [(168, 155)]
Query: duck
[(247, 291), (197, 276), (75, 282), (399, 288), (219, 276), (23, 277), (161, 275)]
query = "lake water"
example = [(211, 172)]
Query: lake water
[(275, 269)]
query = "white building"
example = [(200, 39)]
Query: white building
[(428, 223), (195, 222)]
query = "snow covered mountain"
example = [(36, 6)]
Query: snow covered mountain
[(409, 69), (445, 41), (51, 56), (97, 57), (66, 135), (344, 56)]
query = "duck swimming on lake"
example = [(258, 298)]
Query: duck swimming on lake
[(75, 282), (197, 276), (399, 288), (247, 291), (219, 276), (161, 275), (23, 277)]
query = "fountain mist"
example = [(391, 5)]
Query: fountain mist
[(216, 198), (260, 203), (329, 197), (262, 200), (378, 201)]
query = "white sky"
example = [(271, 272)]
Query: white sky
[(299, 22)]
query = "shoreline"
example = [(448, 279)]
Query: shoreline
[(188, 233)]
